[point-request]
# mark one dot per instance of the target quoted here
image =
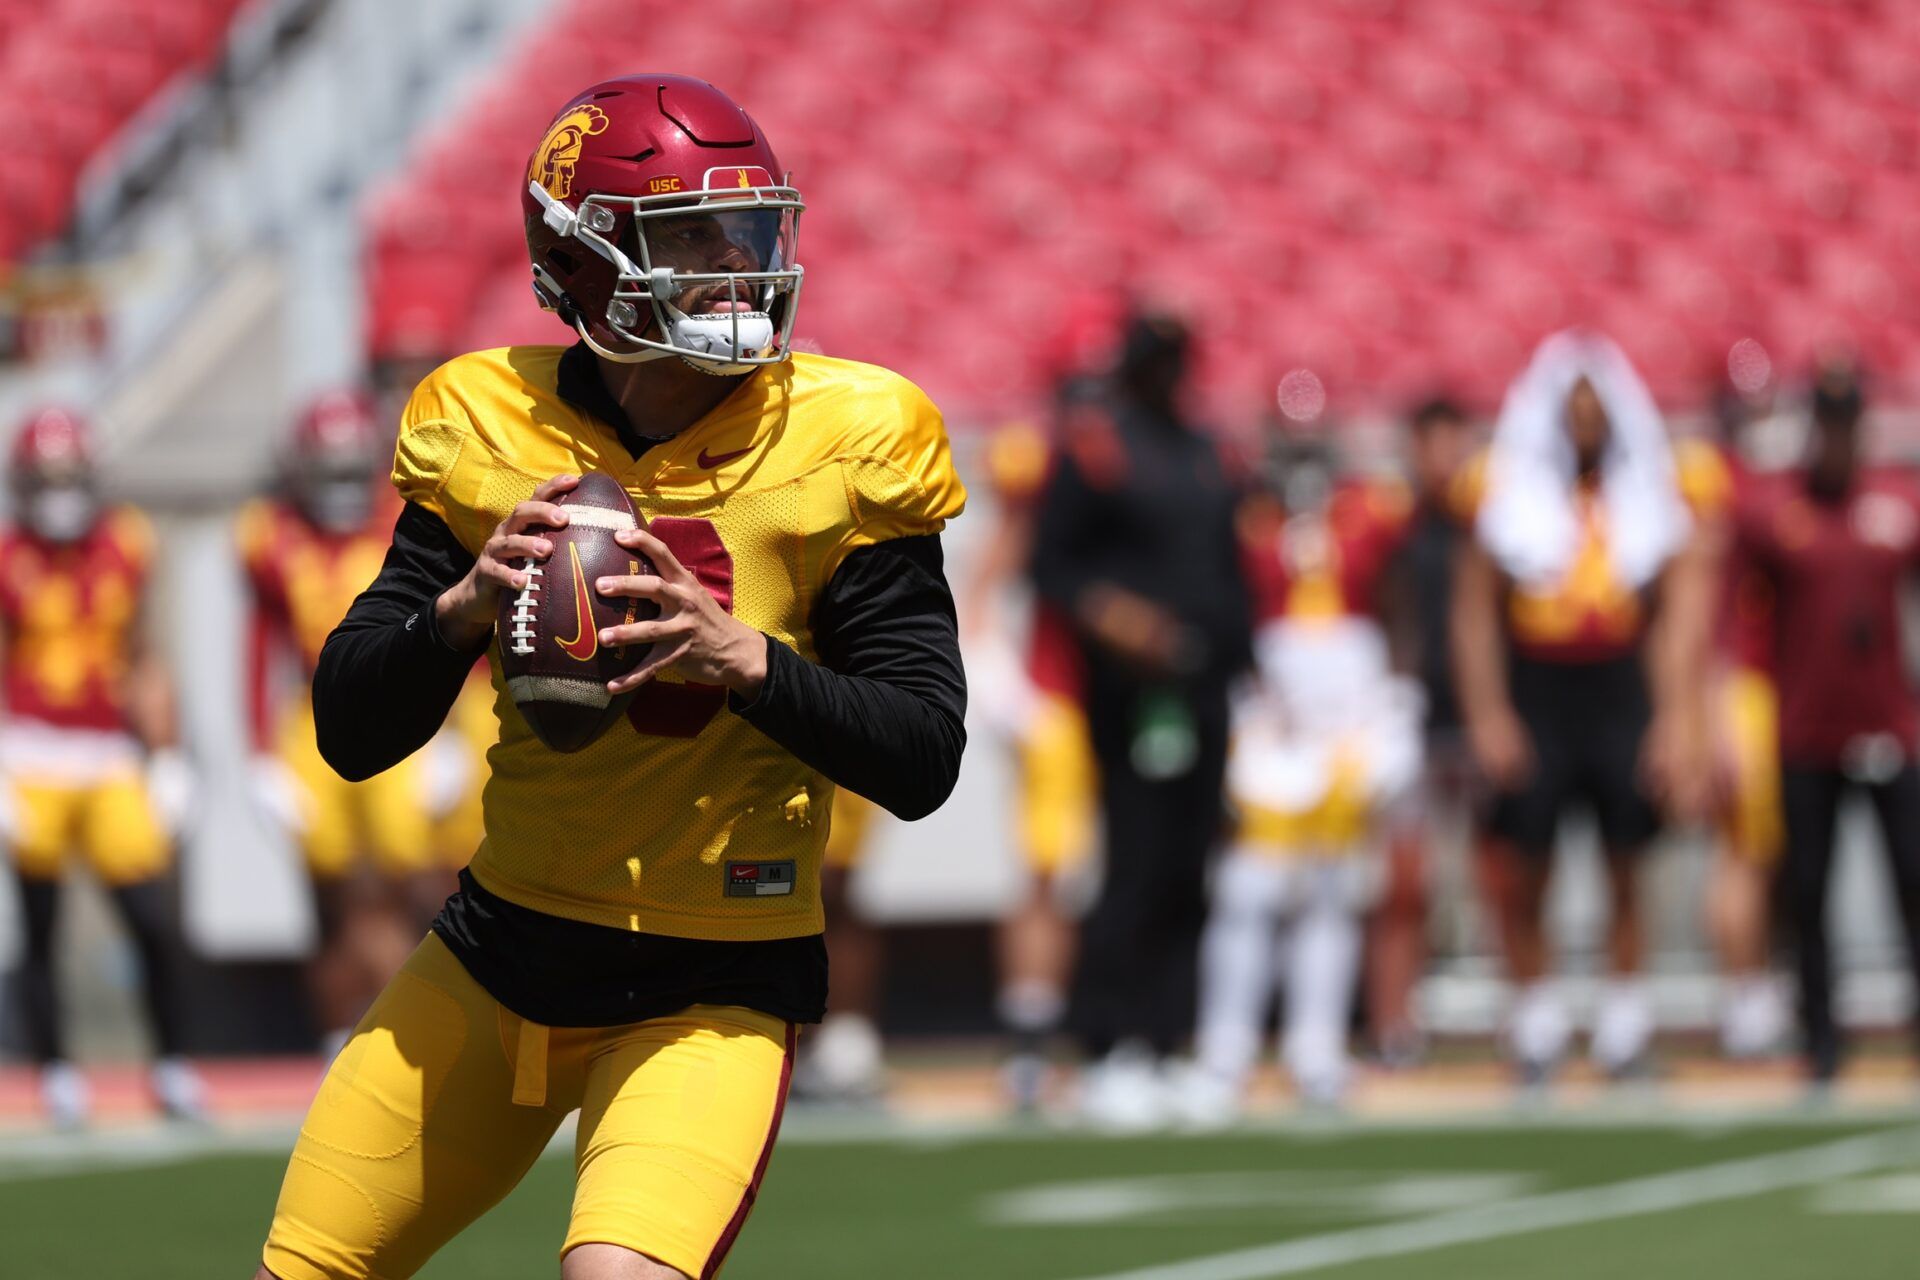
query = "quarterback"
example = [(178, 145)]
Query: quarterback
[(639, 934)]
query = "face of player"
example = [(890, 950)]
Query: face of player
[(339, 500), (1587, 427), (1835, 447), (1440, 448), (737, 240), (60, 510)]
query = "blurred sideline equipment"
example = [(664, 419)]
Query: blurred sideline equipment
[(1583, 566), (1135, 543), (1326, 741), (643, 914), (377, 871), (1836, 541), (88, 733)]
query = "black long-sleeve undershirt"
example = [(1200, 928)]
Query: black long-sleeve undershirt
[(881, 714)]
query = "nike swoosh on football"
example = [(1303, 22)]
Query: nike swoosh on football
[(708, 461), (586, 640)]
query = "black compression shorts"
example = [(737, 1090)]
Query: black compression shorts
[(1586, 722)]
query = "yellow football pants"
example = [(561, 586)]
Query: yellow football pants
[(109, 823), (1058, 787), (383, 819), (1752, 822), (442, 1100)]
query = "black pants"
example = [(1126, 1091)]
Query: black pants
[(1139, 946), (1812, 802), (145, 910)]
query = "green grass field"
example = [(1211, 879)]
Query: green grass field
[(1767, 1200)]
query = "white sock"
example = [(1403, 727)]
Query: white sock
[(1031, 1005), (1236, 979), (1539, 1028), (1622, 1022), (1322, 960)]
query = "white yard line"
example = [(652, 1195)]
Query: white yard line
[(30, 1153), (1706, 1184)]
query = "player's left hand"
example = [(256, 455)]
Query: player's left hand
[(693, 635)]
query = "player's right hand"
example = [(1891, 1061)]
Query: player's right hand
[(1501, 748), (466, 610)]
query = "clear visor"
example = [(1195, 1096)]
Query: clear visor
[(704, 249)]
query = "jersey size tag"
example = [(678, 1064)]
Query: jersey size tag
[(759, 879)]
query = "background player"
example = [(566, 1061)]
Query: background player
[(844, 1060), (1578, 633), (1326, 741), (1025, 674), (87, 745), (1135, 544), (1419, 591), (1745, 727), (370, 846), (1836, 541)]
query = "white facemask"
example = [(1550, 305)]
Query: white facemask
[(63, 513)]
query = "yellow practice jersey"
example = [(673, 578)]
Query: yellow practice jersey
[(1590, 613), (648, 828)]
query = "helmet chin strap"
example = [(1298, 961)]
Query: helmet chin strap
[(692, 338)]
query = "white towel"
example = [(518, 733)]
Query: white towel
[(1527, 521)]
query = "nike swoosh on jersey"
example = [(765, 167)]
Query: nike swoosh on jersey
[(586, 639), (708, 461)]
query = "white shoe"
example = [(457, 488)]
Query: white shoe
[(178, 1088), (1537, 1032), (845, 1062), (1622, 1028), (1203, 1100), (1319, 1066), (1124, 1092), (1754, 1022), (65, 1095), (1023, 1080)]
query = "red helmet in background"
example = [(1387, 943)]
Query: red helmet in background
[(334, 463), (51, 472), (659, 223), (52, 444)]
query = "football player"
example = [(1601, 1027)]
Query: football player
[(1419, 589), (87, 745), (1323, 745), (1033, 698), (1580, 611), (1745, 715), (639, 936), (1837, 540), (369, 847)]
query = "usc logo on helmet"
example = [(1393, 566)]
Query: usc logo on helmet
[(559, 151)]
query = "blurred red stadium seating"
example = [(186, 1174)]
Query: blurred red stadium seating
[(1397, 194), (74, 73)]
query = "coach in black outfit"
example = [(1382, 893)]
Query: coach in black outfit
[(1135, 542)]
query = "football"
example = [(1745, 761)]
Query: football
[(555, 666)]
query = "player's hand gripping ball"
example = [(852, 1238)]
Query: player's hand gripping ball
[(555, 666)]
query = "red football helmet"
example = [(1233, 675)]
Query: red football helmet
[(52, 476), (53, 446), (657, 227), (334, 462)]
